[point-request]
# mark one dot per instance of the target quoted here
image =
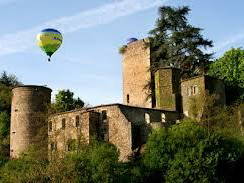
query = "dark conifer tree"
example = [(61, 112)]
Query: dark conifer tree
[(174, 42)]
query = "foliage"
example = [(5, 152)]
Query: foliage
[(174, 42), (96, 162), (122, 49), (230, 68), (9, 80), (189, 153), (5, 98), (4, 124), (65, 101)]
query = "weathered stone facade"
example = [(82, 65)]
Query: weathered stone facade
[(126, 127), (136, 74), (194, 92), (28, 116), (167, 89)]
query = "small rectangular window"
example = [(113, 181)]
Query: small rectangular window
[(195, 90), (147, 118), (50, 126), (63, 123), (53, 146), (104, 115), (128, 98), (77, 121)]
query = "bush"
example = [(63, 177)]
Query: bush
[(190, 153)]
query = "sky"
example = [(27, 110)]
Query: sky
[(88, 62)]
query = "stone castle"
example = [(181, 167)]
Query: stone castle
[(125, 125)]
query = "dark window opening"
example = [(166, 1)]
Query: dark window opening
[(104, 115), (50, 126), (72, 145), (53, 146), (128, 98), (63, 123), (77, 121)]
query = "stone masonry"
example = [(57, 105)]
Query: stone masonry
[(28, 116), (127, 127), (136, 74)]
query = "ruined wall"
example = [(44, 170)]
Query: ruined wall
[(79, 125), (126, 127), (119, 129), (141, 120), (216, 87), (167, 89), (28, 118), (195, 91), (136, 74)]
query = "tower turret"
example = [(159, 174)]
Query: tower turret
[(28, 117), (136, 73)]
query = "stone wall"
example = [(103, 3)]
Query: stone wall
[(127, 127), (193, 93), (216, 87), (167, 89), (28, 118), (79, 125), (136, 74)]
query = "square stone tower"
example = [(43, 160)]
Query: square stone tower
[(167, 89), (136, 74)]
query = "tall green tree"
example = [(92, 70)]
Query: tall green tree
[(65, 101), (174, 42), (9, 80), (230, 68)]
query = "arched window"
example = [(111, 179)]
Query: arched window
[(147, 118), (128, 98), (163, 118)]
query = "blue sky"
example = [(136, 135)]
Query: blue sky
[(88, 63)]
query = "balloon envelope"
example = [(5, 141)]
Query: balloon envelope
[(49, 40)]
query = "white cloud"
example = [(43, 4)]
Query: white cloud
[(221, 46), (23, 40)]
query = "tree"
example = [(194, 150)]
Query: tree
[(189, 153), (9, 80), (230, 68), (174, 42), (65, 101)]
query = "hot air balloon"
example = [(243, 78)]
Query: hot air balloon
[(49, 40)]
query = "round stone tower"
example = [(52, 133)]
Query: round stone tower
[(28, 118)]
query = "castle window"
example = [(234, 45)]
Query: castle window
[(147, 118), (128, 98), (104, 116), (195, 90), (77, 121), (53, 146), (50, 126), (163, 118), (71, 145), (63, 123)]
